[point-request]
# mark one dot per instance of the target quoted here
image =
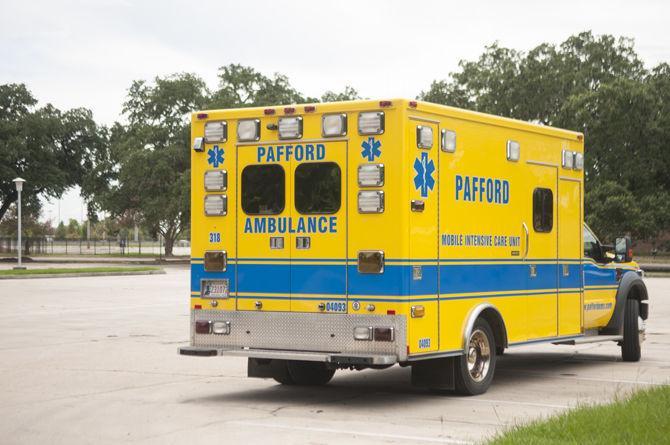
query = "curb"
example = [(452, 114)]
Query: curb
[(655, 267), (82, 274), (107, 261)]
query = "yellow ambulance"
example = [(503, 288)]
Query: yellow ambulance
[(364, 234)]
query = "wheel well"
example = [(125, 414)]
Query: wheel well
[(639, 293), (497, 324)]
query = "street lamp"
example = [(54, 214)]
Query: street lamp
[(19, 187)]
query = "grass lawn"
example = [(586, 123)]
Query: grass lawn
[(644, 418), (64, 270)]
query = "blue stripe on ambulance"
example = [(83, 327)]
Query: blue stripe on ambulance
[(397, 280)]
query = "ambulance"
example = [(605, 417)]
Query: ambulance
[(364, 234)]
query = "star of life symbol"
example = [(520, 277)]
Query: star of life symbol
[(215, 156), (371, 149), (424, 169)]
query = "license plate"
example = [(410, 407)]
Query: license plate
[(215, 289)]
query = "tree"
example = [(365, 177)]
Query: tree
[(51, 149), (73, 229), (614, 209), (349, 93), (61, 231), (593, 84), (145, 174), (31, 227), (243, 86)]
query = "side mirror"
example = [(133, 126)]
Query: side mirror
[(623, 250)]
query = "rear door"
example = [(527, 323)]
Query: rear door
[(263, 237), (318, 227)]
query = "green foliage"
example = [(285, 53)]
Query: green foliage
[(31, 226), (349, 93), (642, 418), (593, 84), (613, 208), (144, 175), (51, 149), (243, 86)]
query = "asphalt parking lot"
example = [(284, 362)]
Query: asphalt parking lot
[(95, 360)]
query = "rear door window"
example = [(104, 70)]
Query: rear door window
[(318, 188), (263, 189)]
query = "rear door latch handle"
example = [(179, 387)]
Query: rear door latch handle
[(302, 242)]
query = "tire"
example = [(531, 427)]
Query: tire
[(309, 373), (631, 347), (280, 372), (475, 369)]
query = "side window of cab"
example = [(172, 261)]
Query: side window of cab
[(591, 245)]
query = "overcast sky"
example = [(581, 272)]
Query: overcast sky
[(86, 53)]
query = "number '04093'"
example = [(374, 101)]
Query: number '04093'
[(214, 237)]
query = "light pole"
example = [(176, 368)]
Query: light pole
[(19, 187)]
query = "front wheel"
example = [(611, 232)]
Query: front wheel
[(631, 347), (474, 370)]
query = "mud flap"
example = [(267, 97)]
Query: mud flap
[(264, 368), (437, 373)]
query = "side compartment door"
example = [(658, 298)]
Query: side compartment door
[(541, 255), (570, 297), (319, 227), (263, 240), (422, 268)]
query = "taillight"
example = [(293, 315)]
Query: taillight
[(203, 327)]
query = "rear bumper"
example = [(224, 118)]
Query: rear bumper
[(268, 354), (323, 337)]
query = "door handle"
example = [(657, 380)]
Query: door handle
[(276, 242), (525, 248), (302, 242)]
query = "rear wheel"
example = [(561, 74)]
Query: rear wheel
[(474, 370), (631, 346), (280, 372)]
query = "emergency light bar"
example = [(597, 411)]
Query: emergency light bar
[(371, 122), (290, 127), (216, 180), (216, 131), (513, 150), (371, 202), (216, 205), (448, 141), (198, 144), (334, 125), (248, 130), (579, 161), (568, 159), (371, 175), (424, 137)]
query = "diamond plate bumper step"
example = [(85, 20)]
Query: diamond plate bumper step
[(336, 358)]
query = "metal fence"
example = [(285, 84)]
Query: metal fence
[(110, 246)]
